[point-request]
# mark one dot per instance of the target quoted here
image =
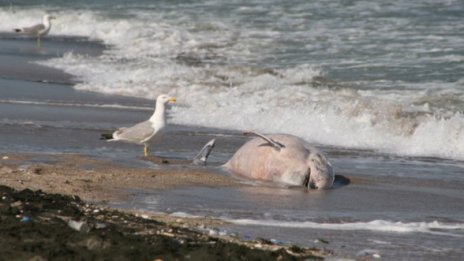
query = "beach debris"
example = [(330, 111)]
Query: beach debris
[(25, 219), (112, 228), (369, 252), (321, 240), (35, 170), (79, 226), (100, 225)]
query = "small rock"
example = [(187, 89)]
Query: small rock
[(16, 204), (26, 219), (321, 240), (5, 157), (79, 226), (37, 170), (37, 258), (93, 243), (100, 225)]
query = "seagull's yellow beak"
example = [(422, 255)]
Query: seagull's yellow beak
[(172, 99)]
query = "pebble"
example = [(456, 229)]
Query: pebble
[(100, 225), (79, 226), (5, 157), (16, 204)]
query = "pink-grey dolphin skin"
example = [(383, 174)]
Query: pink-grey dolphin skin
[(282, 158)]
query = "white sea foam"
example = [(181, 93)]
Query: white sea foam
[(218, 72), (437, 228), (74, 104)]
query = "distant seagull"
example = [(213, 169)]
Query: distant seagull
[(38, 30), (145, 131)]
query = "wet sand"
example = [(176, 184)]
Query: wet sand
[(98, 180)]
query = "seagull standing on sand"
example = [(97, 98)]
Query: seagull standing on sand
[(143, 132), (38, 30)]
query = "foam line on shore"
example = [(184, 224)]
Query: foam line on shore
[(375, 225)]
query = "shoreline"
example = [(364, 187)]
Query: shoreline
[(68, 175), (79, 230), (74, 177)]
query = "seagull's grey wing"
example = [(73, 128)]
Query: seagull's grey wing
[(33, 30), (137, 133)]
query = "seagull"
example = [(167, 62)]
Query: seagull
[(38, 30), (141, 133)]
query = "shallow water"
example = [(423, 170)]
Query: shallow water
[(387, 103)]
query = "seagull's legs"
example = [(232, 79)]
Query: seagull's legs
[(38, 42), (146, 150)]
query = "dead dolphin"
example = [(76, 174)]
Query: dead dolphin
[(281, 158)]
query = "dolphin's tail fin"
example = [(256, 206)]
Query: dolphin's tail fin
[(202, 156)]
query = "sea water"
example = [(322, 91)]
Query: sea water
[(357, 74), (379, 86)]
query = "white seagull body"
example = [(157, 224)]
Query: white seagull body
[(143, 132), (38, 30)]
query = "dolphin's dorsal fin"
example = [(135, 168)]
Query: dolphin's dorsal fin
[(277, 145), (202, 156)]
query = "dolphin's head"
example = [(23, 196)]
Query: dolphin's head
[(320, 174)]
